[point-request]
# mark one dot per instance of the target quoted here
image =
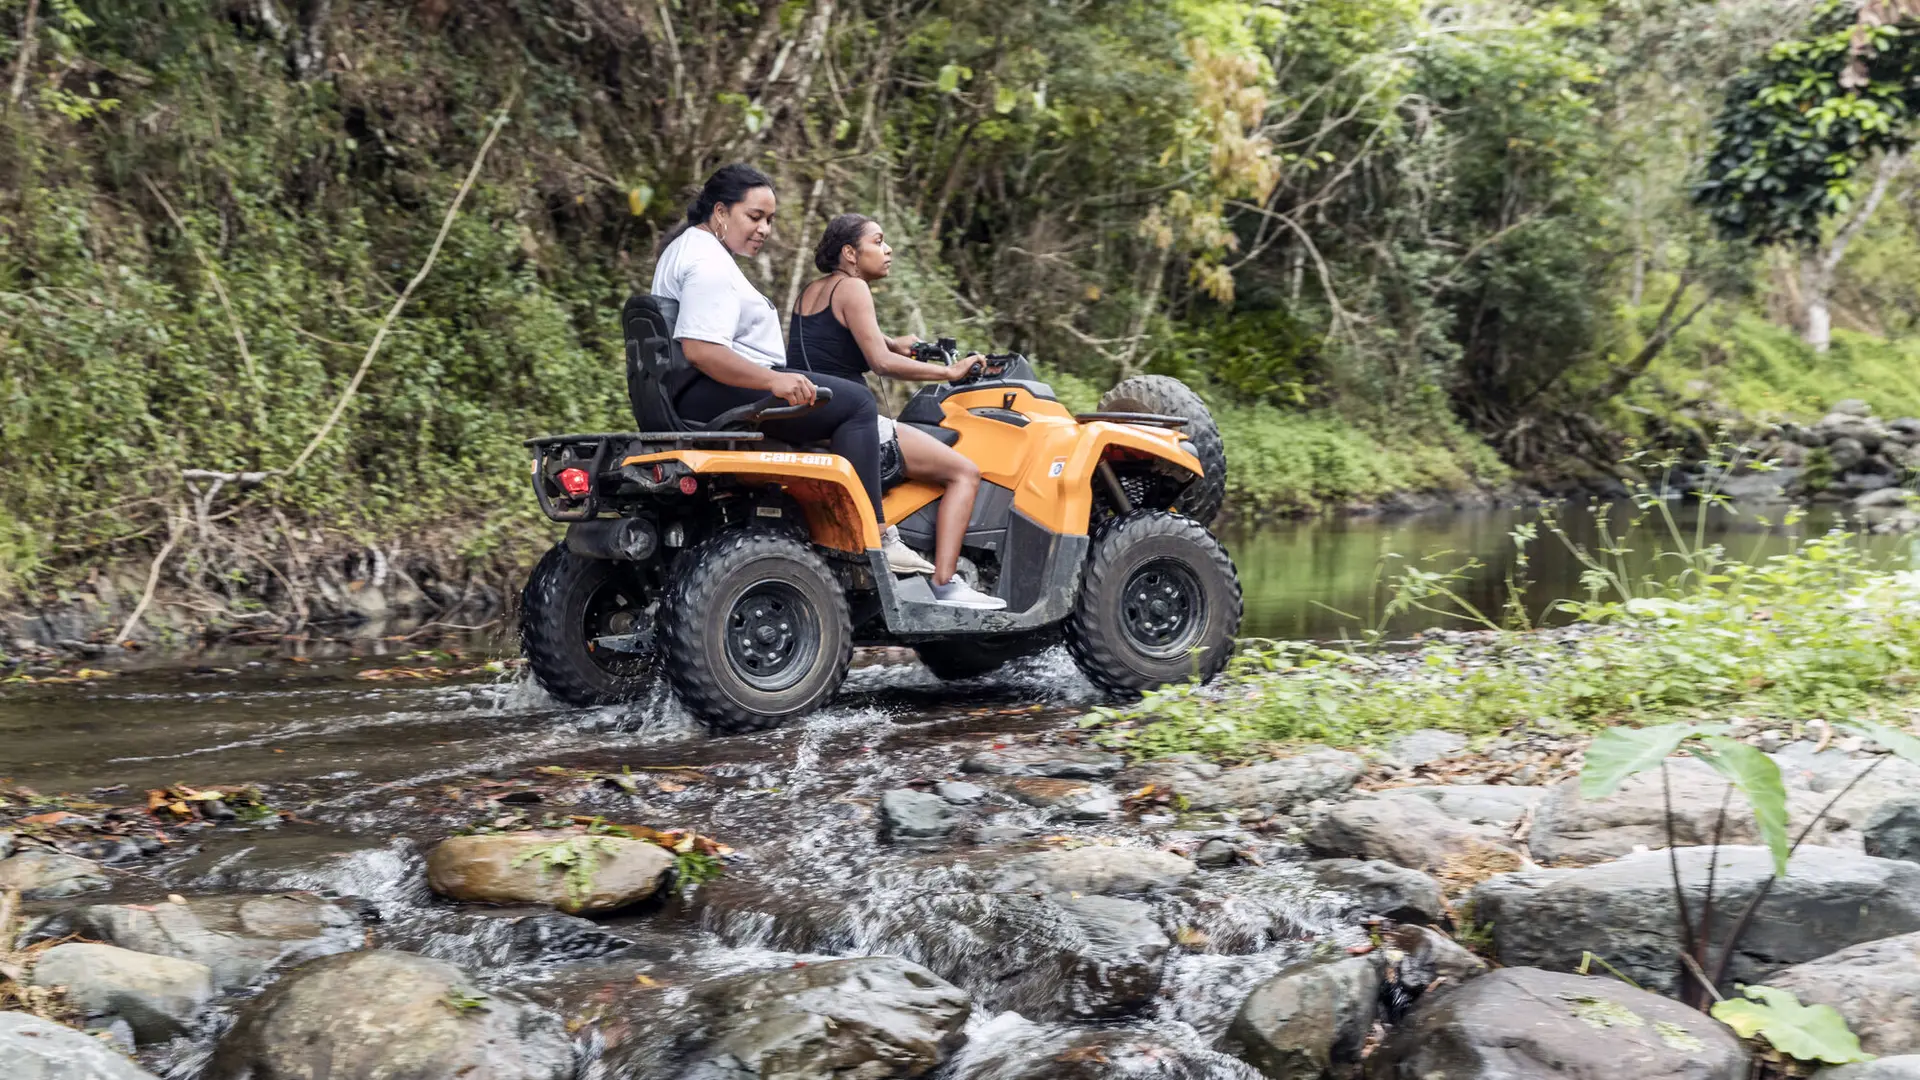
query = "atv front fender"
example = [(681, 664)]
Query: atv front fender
[(1058, 485)]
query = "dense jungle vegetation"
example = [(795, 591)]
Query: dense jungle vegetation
[(1399, 245)]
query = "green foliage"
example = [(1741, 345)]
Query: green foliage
[(463, 1003), (1797, 128), (1618, 753), (691, 868), (576, 857), (1804, 1032), (1740, 361)]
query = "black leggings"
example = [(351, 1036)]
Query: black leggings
[(850, 423)]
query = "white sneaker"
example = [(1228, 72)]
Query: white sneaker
[(902, 559), (960, 594)]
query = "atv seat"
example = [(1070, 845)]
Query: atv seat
[(658, 372)]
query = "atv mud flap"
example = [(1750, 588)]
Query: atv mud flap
[(1039, 579)]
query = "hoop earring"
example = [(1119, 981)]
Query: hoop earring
[(723, 230)]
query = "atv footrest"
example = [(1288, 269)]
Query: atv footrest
[(1151, 419)]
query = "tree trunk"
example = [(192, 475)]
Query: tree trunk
[(1817, 268)]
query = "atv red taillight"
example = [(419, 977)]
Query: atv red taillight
[(575, 482), (689, 485)]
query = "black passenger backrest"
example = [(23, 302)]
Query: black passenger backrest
[(656, 369)]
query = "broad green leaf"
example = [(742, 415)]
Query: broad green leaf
[(1806, 1032), (951, 76), (638, 198), (1620, 752), (1004, 99), (1902, 744), (1757, 776)]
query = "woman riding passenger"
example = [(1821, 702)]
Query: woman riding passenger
[(731, 334), (836, 335)]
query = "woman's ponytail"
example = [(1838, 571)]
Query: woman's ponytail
[(728, 185)]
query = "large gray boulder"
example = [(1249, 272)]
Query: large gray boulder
[(384, 1015), (36, 1049), (873, 1017), (1892, 830), (1098, 869), (1625, 910), (1412, 833), (1875, 985), (1309, 1019), (517, 868), (1499, 805), (1378, 887), (158, 996), (1570, 830), (1904, 1067), (1049, 1052), (240, 938), (916, 815), (1522, 1023), (1424, 746), (40, 874)]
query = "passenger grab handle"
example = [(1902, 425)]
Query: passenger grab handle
[(770, 407)]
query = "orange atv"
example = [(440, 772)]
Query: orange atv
[(749, 569)]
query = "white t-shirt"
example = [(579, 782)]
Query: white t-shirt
[(717, 302)]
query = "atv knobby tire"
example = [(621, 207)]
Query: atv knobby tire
[(965, 658), (565, 596), (756, 631), (1168, 396), (1159, 603)]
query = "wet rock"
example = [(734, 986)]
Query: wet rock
[(1423, 746), (1828, 900), (1887, 496), (1522, 1022), (1892, 830), (1875, 985), (239, 938), (552, 938), (157, 995), (872, 1017), (1412, 833), (1568, 829), (916, 815), (1905, 1067), (998, 834), (960, 793), (6, 843), (1381, 888), (513, 868), (1045, 792), (1099, 806), (1179, 772), (48, 875), (1009, 1048), (1850, 407), (1060, 762), (1846, 452), (1094, 870), (1309, 1019), (36, 1049), (1316, 774), (1482, 804), (394, 1016), (1424, 958), (1215, 854)]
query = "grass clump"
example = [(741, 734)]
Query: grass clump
[(1819, 631)]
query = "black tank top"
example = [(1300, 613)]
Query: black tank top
[(819, 343)]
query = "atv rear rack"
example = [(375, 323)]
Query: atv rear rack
[(555, 453), (1149, 419)]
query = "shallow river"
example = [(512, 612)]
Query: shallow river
[(374, 769)]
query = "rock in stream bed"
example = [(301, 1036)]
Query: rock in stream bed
[(1309, 1019), (36, 1049), (1625, 910), (48, 875), (1524, 1023), (158, 996), (240, 938), (1875, 985), (391, 1015), (515, 868)]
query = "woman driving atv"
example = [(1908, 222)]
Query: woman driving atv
[(836, 334), (731, 334)]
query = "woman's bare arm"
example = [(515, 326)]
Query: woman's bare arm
[(723, 365), (853, 303)]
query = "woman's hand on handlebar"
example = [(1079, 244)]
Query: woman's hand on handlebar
[(792, 388), (962, 370)]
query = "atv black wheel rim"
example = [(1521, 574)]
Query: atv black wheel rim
[(617, 629), (1162, 609), (773, 635)]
